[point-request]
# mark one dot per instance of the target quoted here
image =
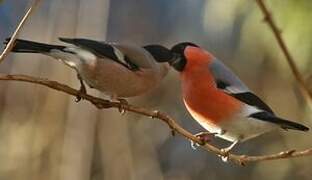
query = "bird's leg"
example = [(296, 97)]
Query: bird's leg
[(204, 138), (225, 151), (82, 89), (122, 104), (229, 148)]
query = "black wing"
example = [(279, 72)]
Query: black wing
[(253, 100), (101, 50), (229, 83), (246, 97)]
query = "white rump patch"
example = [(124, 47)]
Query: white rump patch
[(87, 56)]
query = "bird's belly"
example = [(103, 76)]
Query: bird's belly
[(117, 81), (244, 128), (238, 128)]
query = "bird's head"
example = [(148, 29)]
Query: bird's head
[(178, 55), (178, 50)]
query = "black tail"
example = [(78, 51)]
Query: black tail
[(285, 124), (24, 46)]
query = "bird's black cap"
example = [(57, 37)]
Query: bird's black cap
[(180, 47)]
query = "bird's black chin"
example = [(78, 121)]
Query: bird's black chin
[(178, 64)]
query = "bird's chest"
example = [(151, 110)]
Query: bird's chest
[(204, 100), (116, 80)]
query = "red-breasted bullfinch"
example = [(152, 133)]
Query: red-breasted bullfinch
[(219, 101), (118, 70)]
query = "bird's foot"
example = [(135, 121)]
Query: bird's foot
[(225, 152), (122, 104), (82, 89), (204, 137)]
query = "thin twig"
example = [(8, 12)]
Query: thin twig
[(173, 125), (290, 60), (10, 44)]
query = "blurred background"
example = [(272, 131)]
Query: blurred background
[(44, 134)]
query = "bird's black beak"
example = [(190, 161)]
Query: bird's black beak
[(160, 53)]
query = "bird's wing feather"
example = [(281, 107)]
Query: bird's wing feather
[(102, 50), (228, 82), (253, 100), (138, 55), (226, 79), (285, 124)]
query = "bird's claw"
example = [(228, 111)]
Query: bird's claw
[(155, 114), (225, 154), (78, 98), (122, 104), (82, 90), (194, 145), (204, 137)]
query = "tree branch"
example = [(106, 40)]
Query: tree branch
[(290, 60), (10, 44), (102, 103)]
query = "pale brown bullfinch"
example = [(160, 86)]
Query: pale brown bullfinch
[(118, 70)]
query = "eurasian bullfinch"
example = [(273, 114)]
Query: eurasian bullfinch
[(219, 101), (118, 70)]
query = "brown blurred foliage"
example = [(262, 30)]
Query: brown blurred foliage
[(46, 135)]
